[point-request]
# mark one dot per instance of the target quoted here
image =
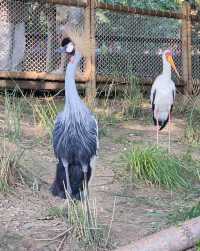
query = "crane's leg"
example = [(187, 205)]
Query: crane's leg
[(169, 133), (85, 187), (66, 165), (92, 165)]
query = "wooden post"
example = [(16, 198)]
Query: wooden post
[(186, 48), (91, 60)]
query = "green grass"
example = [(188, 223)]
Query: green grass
[(87, 229), (57, 212), (184, 214), (132, 99), (10, 167), (45, 112), (156, 167), (13, 116), (189, 108)]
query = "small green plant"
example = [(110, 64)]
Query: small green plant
[(156, 166), (10, 168), (57, 212), (13, 115), (185, 214)]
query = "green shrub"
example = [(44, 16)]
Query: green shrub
[(156, 166)]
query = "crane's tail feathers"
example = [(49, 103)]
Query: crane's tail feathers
[(76, 177), (57, 188)]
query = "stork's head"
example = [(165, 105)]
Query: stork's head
[(167, 56)]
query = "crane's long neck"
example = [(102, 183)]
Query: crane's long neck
[(166, 69), (72, 98)]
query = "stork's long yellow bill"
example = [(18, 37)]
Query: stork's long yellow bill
[(171, 61)]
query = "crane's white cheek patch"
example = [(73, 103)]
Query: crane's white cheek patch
[(69, 48)]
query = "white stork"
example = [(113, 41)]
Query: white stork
[(163, 94)]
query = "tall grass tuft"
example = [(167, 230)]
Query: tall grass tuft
[(90, 233), (45, 112), (10, 168), (132, 98), (190, 109), (156, 167), (13, 116)]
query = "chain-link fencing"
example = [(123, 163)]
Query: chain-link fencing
[(126, 43), (31, 33)]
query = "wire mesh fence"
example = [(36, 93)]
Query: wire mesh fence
[(147, 5), (131, 44), (196, 58), (31, 33), (126, 44)]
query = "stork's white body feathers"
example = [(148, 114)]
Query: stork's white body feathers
[(163, 94)]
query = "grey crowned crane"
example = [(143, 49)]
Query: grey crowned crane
[(163, 94), (75, 135)]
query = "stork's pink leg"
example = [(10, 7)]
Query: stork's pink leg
[(157, 129), (169, 133)]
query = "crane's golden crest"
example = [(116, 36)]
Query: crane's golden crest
[(79, 39)]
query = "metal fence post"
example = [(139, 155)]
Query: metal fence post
[(186, 48)]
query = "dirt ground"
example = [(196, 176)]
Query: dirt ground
[(140, 210)]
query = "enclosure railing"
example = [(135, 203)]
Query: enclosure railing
[(124, 42)]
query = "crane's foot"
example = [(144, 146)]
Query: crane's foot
[(56, 191)]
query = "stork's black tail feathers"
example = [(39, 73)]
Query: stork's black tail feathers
[(161, 123), (76, 177)]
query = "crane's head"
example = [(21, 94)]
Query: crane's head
[(167, 55), (67, 46)]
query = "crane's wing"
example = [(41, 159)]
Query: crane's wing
[(93, 125)]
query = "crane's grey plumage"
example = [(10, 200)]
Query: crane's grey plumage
[(75, 138)]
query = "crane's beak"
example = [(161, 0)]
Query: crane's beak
[(171, 62)]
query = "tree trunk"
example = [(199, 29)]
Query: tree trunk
[(172, 239)]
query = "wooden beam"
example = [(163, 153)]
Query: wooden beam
[(40, 76), (75, 3), (130, 10), (35, 85), (186, 48), (119, 81), (175, 238)]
